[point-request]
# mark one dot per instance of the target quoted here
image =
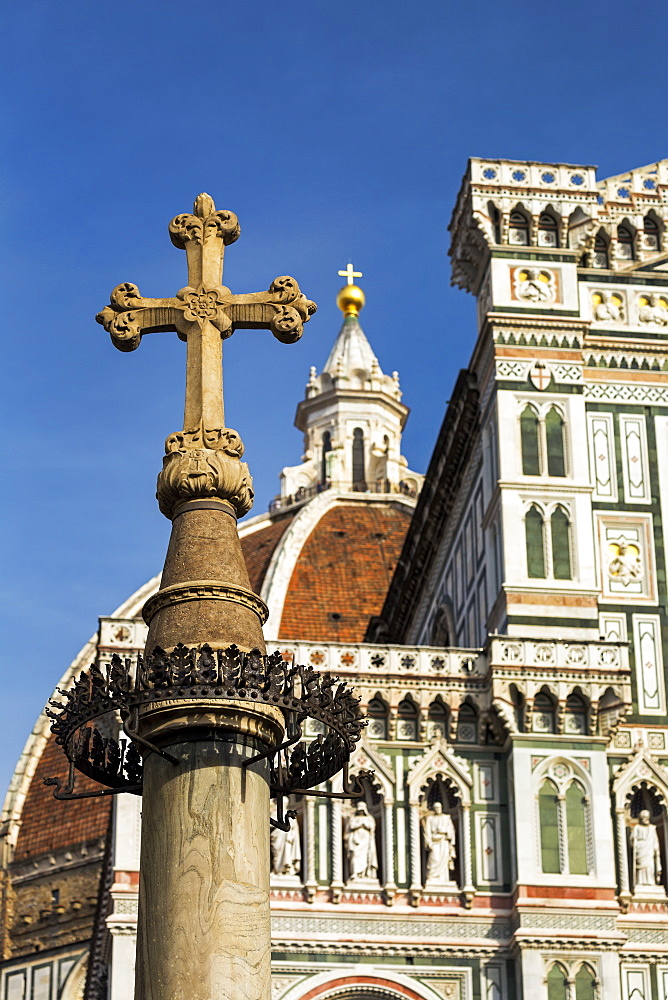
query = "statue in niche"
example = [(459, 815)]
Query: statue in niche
[(360, 845), (439, 839), (286, 850), (646, 853)]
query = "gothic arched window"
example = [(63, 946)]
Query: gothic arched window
[(535, 544), (326, 448), (560, 531), (407, 720), (543, 713), (437, 721), (625, 242), (377, 712), (495, 217), (557, 983), (585, 983), (651, 233), (548, 230), (554, 440), (575, 716), (601, 257), (548, 814), (359, 482), (467, 723), (518, 229), (576, 825), (564, 828), (529, 432)]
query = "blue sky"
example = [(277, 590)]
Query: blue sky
[(334, 130)]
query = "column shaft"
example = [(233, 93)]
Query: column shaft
[(467, 859), (416, 866), (388, 844), (204, 926), (622, 854)]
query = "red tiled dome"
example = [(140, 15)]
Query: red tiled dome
[(48, 824), (259, 546), (343, 571)]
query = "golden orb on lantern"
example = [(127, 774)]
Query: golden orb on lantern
[(350, 300)]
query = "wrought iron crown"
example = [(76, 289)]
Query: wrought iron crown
[(204, 673)]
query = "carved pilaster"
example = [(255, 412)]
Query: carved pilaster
[(505, 226), (390, 887), (311, 883), (622, 859), (468, 888), (416, 860), (533, 238), (337, 850)]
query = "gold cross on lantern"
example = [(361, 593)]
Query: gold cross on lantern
[(349, 273), (205, 312)]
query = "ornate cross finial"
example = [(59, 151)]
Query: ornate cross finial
[(205, 313), (350, 274)]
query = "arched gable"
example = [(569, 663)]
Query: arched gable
[(641, 770), (365, 758), (440, 759)]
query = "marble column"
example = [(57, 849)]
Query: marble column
[(563, 827), (203, 924)]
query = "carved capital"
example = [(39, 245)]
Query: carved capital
[(204, 463)]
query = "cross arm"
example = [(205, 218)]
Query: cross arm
[(129, 315), (283, 309)]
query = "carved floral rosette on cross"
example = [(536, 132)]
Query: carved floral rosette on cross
[(204, 674)]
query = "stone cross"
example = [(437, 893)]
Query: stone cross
[(205, 312), (203, 461), (349, 273)]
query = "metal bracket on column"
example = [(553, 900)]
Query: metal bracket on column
[(354, 791), (292, 739), (281, 821), (64, 793), (136, 738), (190, 674)]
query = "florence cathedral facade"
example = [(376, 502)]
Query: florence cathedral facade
[(504, 619)]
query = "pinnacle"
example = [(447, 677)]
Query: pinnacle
[(351, 351)]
